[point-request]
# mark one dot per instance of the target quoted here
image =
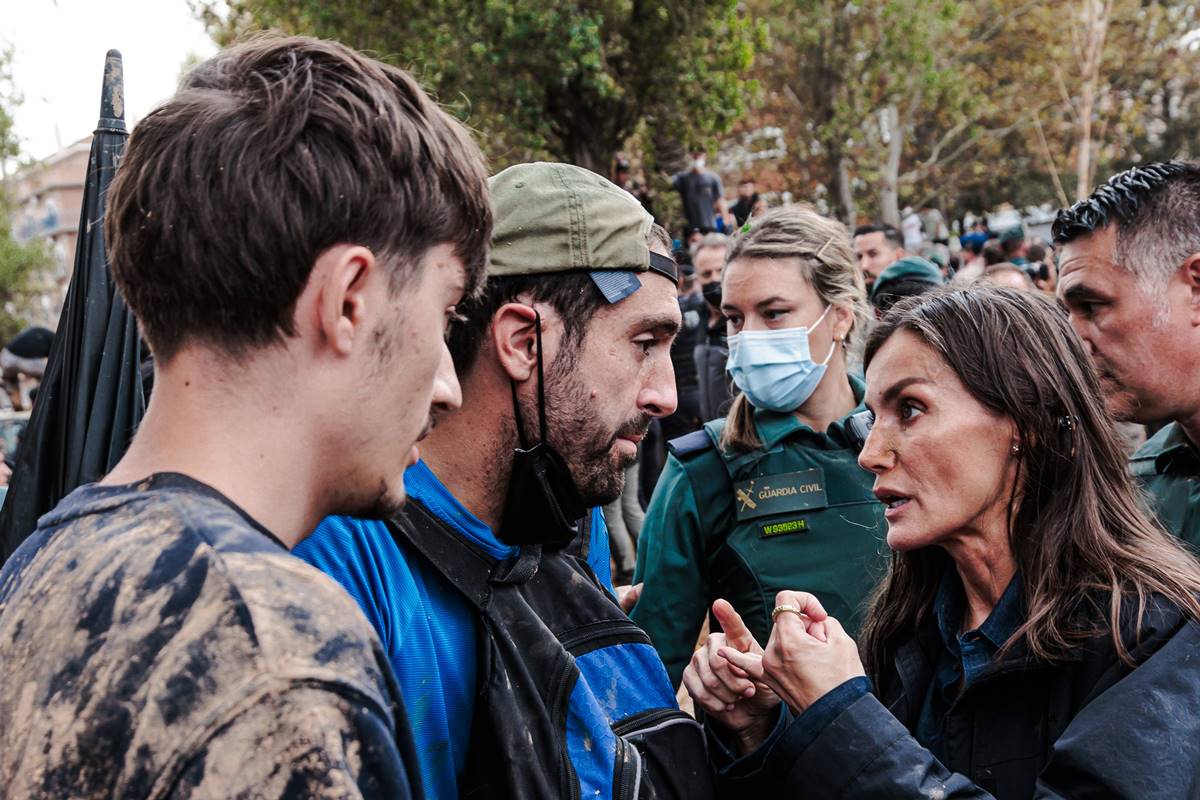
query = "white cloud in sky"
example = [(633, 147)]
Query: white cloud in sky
[(58, 62)]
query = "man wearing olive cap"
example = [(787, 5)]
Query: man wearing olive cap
[(491, 591)]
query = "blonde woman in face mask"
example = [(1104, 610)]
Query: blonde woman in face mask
[(772, 497)]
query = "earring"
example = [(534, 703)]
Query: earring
[(1015, 449)]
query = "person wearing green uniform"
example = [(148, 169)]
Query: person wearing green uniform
[(1129, 276), (1168, 467), (772, 497)]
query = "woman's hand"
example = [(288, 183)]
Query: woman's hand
[(809, 653), (726, 692)]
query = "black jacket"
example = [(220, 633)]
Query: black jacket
[(1089, 727), (572, 701), (711, 354)]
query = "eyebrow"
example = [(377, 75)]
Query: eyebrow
[(761, 304), (899, 386), (660, 325), (1081, 290)]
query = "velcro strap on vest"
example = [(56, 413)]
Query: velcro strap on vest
[(466, 567)]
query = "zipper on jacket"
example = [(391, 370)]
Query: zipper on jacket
[(562, 698), (628, 780), (600, 634), (651, 719)]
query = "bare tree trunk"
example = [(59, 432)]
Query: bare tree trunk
[(843, 191), (889, 193), (1095, 29), (1049, 159)]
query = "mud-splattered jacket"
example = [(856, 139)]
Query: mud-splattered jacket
[(156, 642)]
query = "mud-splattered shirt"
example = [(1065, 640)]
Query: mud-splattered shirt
[(156, 642)]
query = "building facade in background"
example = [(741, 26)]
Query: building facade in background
[(49, 196)]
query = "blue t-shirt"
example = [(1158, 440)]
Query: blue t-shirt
[(428, 629)]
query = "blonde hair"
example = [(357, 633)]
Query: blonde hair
[(820, 248)]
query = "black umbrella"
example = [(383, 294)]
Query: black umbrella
[(90, 400)]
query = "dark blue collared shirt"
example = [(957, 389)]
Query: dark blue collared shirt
[(963, 657)]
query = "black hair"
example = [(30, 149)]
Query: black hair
[(892, 292), (572, 294), (890, 232), (993, 253), (1125, 198)]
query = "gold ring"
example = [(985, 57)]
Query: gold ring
[(785, 609)]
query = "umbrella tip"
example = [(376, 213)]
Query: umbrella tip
[(112, 94)]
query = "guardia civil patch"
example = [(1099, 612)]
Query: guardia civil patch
[(780, 494)]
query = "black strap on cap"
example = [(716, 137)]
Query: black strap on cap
[(665, 266)]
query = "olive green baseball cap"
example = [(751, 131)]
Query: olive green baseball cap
[(563, 218)]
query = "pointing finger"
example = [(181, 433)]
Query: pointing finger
[(736, 632)]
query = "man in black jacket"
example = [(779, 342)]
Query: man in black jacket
[(710, 350)]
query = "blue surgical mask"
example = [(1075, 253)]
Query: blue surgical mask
[(774, 368)]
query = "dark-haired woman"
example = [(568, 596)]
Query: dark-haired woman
[(772, 496), (1036, 635)]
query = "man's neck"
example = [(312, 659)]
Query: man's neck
[(250, 449), (1191, 428), (832, 400), (470, 451)]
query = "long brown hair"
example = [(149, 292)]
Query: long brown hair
[(822, 252), (1084, 545)]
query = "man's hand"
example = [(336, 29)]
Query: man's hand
[(725, 691), (628, 596), (809, 653)]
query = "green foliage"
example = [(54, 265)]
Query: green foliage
[(977, 86), (10, 98), (982, 97), (567, 80), (19, 263)]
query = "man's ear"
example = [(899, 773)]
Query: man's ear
[(514, 338), (341, 278), (1191, 278)]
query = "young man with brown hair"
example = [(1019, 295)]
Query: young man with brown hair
[(293, 230)]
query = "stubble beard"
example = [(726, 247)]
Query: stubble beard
[(585, 445)]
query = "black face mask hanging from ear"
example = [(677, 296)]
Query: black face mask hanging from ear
[(543, 505)]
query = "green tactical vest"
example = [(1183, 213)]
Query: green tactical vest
[(804, 518), (1168, 468)]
